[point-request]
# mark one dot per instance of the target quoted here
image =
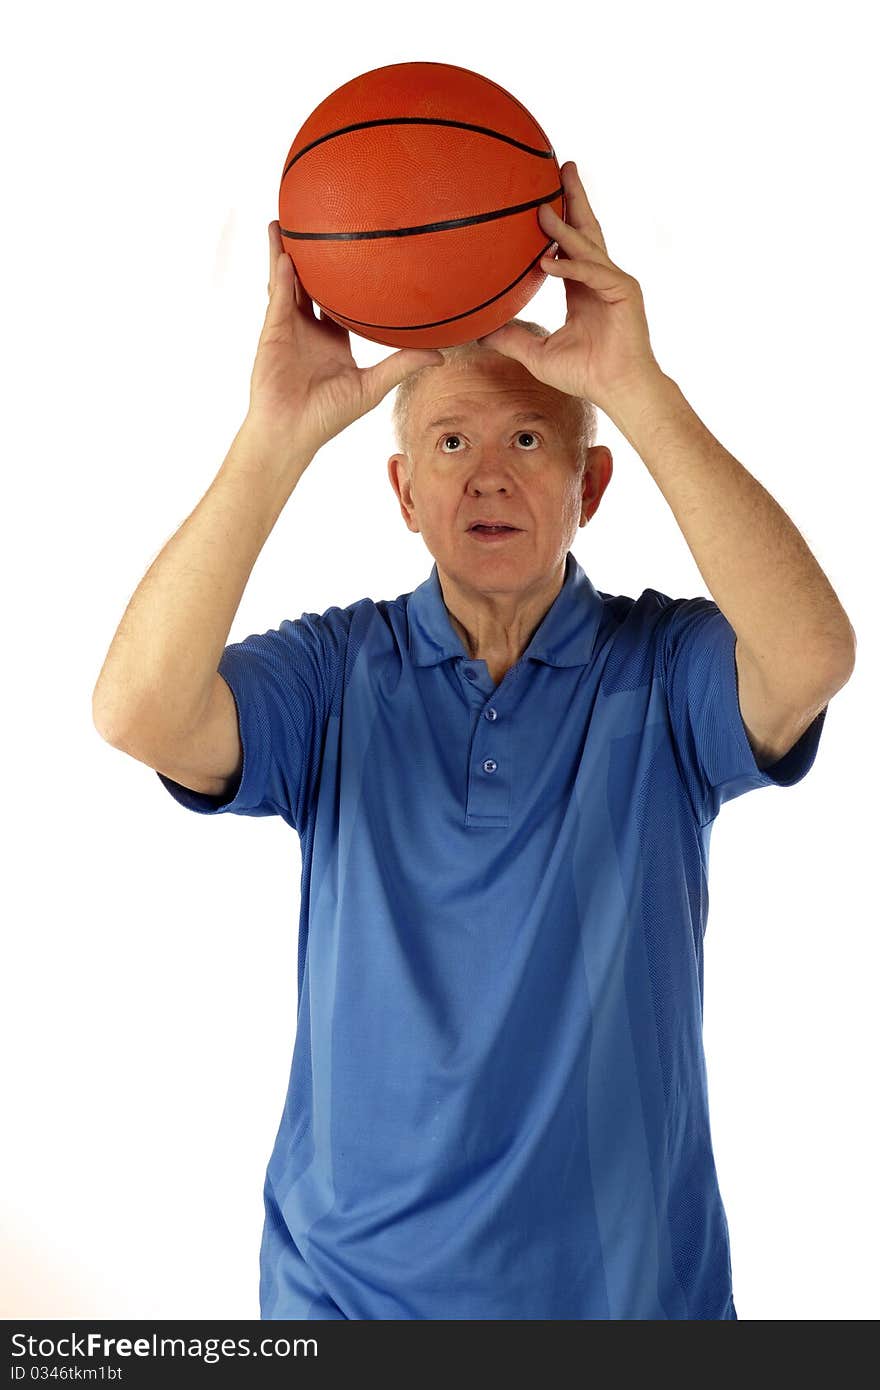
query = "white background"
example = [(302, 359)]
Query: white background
[(149, 954)]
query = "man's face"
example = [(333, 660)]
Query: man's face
[(473, 458)]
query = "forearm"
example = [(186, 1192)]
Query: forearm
[(756, 564), (160, 669)]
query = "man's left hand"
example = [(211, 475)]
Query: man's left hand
[(603, 351)]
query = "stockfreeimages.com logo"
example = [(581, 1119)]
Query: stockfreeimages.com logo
[(208, 1349)]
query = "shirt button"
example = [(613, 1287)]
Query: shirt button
[(489, 765), (470, 673), (490, 713)]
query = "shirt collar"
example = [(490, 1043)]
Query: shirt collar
[(564, 637)]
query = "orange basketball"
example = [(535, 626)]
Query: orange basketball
[(409, 200)]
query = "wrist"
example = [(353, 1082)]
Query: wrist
[(269, 448), (640, 404)]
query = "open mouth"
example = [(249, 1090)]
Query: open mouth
[(493, 535)]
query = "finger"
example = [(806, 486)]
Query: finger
[(287, 266), (303, 298), (277, 265), (580, 216), (602, 276), (574, 241), (577, 204), (274, 248), (284, 294)]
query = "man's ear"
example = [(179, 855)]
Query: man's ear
[(597, 475), (399, 475)]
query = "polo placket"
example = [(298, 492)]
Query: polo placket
[(490, 756)]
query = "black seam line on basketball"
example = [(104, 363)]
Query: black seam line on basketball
[(449, 226), (419, 120), (438, 323)]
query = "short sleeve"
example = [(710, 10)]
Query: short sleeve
[(698, 666), (284, 682)]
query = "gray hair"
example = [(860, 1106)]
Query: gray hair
[(586, 423)]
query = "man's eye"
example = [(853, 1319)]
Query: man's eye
[(528, 434)]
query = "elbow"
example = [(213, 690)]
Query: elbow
[(848, 658), (843, 665)]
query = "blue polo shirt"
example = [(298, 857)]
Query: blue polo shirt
[(497, 1105)]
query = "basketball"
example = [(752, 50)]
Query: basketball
[(408, 203)]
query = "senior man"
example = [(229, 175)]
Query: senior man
[(504, 784)]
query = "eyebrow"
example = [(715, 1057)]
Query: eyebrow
[(519, 416)]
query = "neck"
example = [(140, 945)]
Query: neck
[(496, 627)]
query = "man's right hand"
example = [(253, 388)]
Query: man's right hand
[(305, 385)]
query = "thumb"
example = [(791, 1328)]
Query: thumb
[(391, 371), (513, 341)]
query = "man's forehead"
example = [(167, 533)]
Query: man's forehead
[(460, 413), (439, 403)]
